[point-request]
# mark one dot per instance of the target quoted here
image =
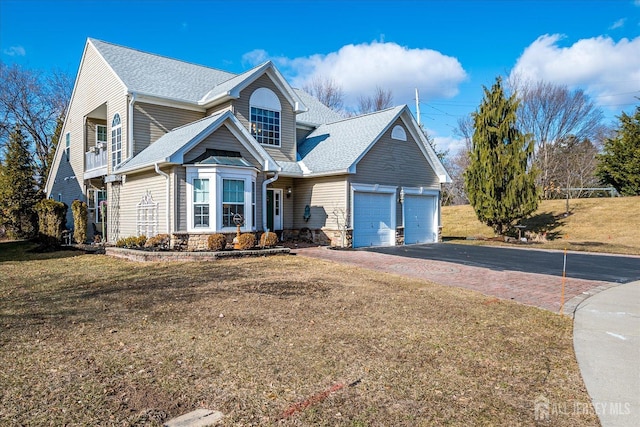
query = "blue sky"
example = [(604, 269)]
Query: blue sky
[(446, 49)]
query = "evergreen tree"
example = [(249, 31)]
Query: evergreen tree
[(499, 181), (619, 164), (18, 191)]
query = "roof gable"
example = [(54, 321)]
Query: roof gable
[(232, 87), (338, 147), (172, 147)]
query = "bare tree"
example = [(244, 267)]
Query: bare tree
[(551, 113), (380, 100), (327, 91), (457, 163), (36, 102), (572, 167)]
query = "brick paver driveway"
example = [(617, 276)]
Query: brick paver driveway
[(539, 290)]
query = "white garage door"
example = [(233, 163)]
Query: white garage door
[(373, 219), (419, 219)]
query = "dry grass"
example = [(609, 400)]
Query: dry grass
[(596, 225), (90, 340)]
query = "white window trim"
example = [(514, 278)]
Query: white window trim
[(110, 141), (266, 99), (106, 134), (215, 175), (399, 133)]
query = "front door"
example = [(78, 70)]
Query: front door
[(274, 209)]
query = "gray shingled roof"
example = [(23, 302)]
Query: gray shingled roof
[(318, 113), (335, 147), (156, 75), (168, 144), (160, 76)]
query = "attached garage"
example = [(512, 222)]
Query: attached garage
[(420, 215), (374, 215)]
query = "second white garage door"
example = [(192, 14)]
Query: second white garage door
[(373, 219), (420, 213)]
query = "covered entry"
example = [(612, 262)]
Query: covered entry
[(374, 215), (420, 215)]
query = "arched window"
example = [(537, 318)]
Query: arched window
[(116, 141), (265, 111), (399, 133)]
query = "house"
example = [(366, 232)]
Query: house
[(157, 145)]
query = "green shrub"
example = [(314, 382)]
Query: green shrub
[(246, 241), (159, 241), (79, 209), (52, 217), (268, 239), (217, 242), (132, 242)]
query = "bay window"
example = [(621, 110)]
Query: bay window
[(216, 193)]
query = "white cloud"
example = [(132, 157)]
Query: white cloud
[(618, 24), (608, 71), (449, 143), (15, 51), (359, 69)]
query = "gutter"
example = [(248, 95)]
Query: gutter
[(264, 199), (130, 127), (166, 176)]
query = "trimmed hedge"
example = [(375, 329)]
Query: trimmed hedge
[(217, 242), (80, 211), (268, 239), (246, 241), (52, 217)]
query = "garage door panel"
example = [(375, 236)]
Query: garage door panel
[(373, 223), (419, 218)]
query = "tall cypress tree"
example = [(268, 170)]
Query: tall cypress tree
[(18, 188), (500, 181)]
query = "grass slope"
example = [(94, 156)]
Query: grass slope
[(598, 225), (91, 340)]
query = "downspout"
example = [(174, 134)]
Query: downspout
[(166, 176), (130, 127), (264, 199)]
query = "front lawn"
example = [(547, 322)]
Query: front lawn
[(91, 340)]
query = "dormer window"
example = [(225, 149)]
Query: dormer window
[(265, 111)]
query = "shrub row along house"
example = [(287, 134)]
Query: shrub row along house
[(157, 145)]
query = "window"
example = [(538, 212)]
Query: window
[(101, 136), (96, 199), (67, 147), (265, 126), (265, 116), (399, 133), (116, 141), (201, 203), (216, 193), (232, 200)]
